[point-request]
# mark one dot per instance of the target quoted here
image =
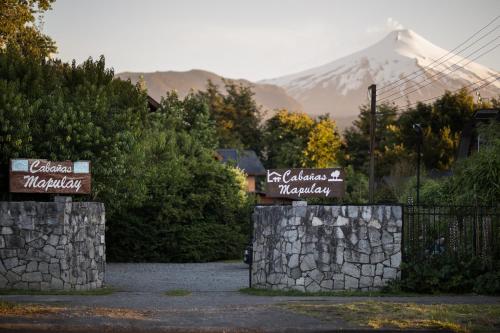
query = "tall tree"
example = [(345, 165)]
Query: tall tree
[(323, 145), (193, 113), (67, 112), (286, 135), (19, 30), (236, 114), (196, 205), (442, 123), (357, 143)]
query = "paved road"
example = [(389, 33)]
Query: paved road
[(206, 277), (215, 304)]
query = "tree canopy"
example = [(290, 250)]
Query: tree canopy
[(166, 195), (19, 29), (236, 114)]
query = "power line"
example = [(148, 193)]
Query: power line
[(423, 72), (441, 73), (497, 77), (467, 40), (448, 68), (484, 85)]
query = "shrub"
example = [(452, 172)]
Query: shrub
[(446, 274), (476, 179), (196, 209), (488, 283), (432, 191)]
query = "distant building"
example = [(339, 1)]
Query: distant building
[(248, 162), (153, 105), (470, 141)]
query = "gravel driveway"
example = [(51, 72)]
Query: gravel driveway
[(217, 276)]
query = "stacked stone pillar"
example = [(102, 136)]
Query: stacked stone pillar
[(325, 248), (52, 245)]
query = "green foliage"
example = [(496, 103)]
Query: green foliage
[(15, 115), (356, 186), (323, 145), (60, 112), (286, 135), (18, 29), (384, 194), (357, 142), (447, 274), (236, 115), (197, 208), (167, 198), (177, 292), (194, 115), (432, 191), (396, 146), (488, 283), (442, 123), (476, 179), (293, 139)]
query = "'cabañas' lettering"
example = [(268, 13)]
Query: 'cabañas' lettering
[(35, 167)]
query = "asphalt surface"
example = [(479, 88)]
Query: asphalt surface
[(204, 277), (215, 305)]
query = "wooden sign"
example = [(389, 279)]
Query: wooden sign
[(305, 183), (42, 176)]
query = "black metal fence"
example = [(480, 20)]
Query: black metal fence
[(461, 231)]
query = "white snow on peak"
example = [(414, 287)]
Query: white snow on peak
[(399, 54)]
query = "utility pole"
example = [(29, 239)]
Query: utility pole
[(373, 111), (418, 130), (418, 172)]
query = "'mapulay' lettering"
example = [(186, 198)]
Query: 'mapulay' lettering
[(298, 191), (64, 183)]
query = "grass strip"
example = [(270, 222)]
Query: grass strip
[(11, 309), (232, 261), (177, 292), (461, 318), (14, 309), (341, 293), (92, 292)]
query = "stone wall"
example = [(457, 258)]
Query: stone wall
[(52, 245), (324, 248)]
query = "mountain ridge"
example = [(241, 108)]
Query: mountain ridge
[(269, 96)]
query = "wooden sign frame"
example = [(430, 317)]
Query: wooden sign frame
[(305, 183), (43, 176)]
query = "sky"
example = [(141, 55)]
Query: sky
[(257, 39)]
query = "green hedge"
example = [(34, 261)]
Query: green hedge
[(447, 274), (134, 240)]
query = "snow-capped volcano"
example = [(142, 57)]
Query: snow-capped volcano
[(340, 87)]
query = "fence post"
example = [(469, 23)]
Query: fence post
[(251, 254), (403, 236)]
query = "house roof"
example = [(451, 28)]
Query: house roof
[(153, 105), (468, 137), (487, 114), (246, 160)]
